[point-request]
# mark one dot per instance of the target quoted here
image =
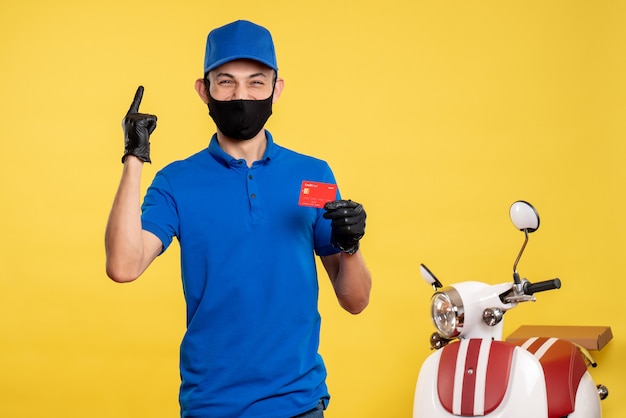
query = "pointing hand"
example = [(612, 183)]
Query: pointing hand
[(137, 129)]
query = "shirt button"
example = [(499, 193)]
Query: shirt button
[(253, 196)]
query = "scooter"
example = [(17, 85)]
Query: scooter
[(473, 372)]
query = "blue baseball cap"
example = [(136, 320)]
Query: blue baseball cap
[(239, 40)]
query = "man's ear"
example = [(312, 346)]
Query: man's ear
[(278, 89), (202, 91)]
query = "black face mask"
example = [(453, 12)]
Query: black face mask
[(240, 119)]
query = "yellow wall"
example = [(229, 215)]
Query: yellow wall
[(436, 115)]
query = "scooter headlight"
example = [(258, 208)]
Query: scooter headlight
[(447, 312)]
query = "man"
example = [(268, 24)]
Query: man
[(249, 219)]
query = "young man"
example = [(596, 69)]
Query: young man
[(248, 218)]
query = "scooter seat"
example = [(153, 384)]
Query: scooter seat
[(563, 367)]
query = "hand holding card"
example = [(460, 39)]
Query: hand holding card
[(348, 224)]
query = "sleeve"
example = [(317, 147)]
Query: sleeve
[(158, 211)]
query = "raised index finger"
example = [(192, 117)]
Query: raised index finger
[(134, 107)]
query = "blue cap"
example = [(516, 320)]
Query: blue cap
[(239, 40)]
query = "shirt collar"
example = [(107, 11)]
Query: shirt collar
[(221, 156)]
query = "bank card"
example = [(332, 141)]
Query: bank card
[(315, 194)]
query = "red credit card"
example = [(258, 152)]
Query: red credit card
[(315, 194)]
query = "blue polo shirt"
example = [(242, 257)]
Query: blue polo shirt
[(249, 279)]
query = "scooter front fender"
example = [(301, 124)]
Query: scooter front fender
[(525, 395), (587, 399)]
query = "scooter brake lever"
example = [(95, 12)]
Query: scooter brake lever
[(519, 298), (516, 294)]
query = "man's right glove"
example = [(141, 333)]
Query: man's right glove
[(347, 223), (137, 129)]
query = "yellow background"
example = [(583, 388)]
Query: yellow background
[(436, 115)]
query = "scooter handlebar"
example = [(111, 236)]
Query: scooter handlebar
[(531, 288)]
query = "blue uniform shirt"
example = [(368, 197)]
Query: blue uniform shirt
[(249, 279)]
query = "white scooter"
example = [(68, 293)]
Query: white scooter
[(475, 373)]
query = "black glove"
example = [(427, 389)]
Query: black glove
[(348, 224), (137, 129)]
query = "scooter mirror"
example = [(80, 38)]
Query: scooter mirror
[(524, 216), (429, 277)]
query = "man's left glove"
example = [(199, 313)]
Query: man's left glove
[(347, 223)]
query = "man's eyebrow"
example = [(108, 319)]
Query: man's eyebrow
[(259, 74)]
